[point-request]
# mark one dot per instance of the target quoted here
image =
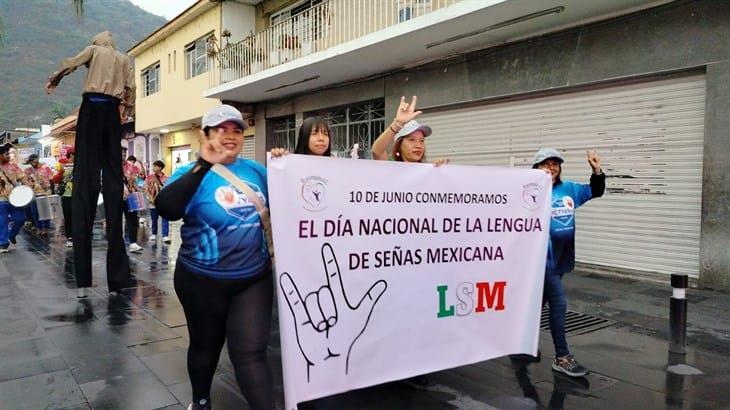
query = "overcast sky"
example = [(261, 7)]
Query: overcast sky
[(165, 8)]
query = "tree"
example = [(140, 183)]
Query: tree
[(59, 110)]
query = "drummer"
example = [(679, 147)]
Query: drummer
[(11, 218), (39, 175), (131, 171)]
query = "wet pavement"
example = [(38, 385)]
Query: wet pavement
[(128, 351)]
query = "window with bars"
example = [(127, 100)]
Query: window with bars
[(360, 123), (151, 79), (283, 135), (196, 57)]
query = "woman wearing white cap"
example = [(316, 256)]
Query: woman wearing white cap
[(223, 272), (406, 135), (566, 198)]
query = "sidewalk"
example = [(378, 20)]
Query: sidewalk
[(128, 352)]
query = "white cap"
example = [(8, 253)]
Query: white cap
[(222, 113), (411, 127), (546, 153)]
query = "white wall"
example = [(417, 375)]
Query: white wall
[(239, 19)]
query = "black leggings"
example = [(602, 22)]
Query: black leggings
[(237, 309)]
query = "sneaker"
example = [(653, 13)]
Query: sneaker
[(69, 243), (135, 248), (203, 404), (568, 365), (13, 241), (153, 237), (166, 239), (5, 249)]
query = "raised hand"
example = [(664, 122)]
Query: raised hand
[(594, 161), (279, 152), (406, 111), (326, 320), (212, 151), (49, 88)]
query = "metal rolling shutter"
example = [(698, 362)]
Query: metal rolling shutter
[(249, 148), (650, 138)]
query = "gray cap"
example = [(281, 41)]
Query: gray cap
[(222, 113), (546, 153), (411, 127)]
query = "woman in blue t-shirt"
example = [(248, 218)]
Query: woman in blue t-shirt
[(223, 272), (567, 197)]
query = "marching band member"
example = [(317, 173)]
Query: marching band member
[(39, 175), (11, 218), (153, 184), (130, 185), (64, 180)]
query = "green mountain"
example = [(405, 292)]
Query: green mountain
[(39, 34)]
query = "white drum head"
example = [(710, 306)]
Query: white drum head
[(20, 196)]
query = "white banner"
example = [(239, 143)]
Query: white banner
[(388, 270)]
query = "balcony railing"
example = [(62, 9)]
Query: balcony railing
[(323, 26)]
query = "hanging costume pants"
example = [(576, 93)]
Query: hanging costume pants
[(98, 149)]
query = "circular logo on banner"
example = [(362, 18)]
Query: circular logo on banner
[(313, 193), (531, 196)]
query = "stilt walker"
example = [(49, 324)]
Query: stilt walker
[(107, 94)]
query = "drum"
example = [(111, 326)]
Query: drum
[(136, 201), (21, 196), (100, 215), (49, 207)]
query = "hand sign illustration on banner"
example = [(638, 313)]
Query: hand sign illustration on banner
[(317, 314)]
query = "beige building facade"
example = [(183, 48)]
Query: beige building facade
[(171, 70)]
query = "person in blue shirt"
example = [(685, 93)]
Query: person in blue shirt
[(223, 272), (567, 197)]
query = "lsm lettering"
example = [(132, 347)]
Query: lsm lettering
[(488, 296)]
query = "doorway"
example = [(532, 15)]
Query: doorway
[(180, 156)]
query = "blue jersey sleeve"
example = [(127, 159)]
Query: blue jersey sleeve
[(581, 193)]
